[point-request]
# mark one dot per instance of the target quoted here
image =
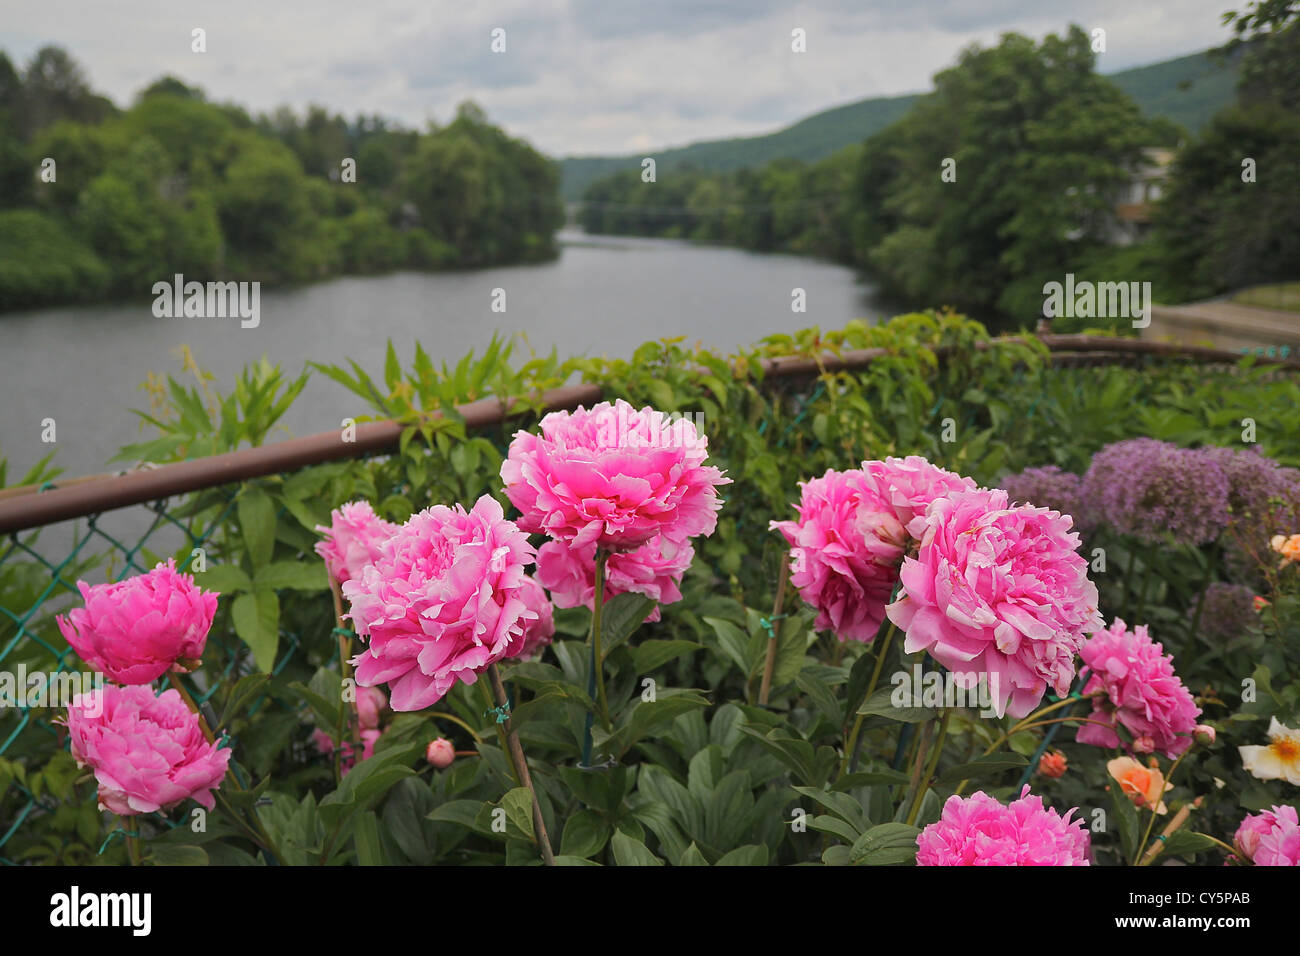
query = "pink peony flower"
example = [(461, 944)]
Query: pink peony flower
[(352, 539), (909, 485), (539, 632), (136, 630), (979, 831), (654, 569), (845, 549), (1270, 837), (614, 477), (440, 753), (148, 753), (1000, 593), (442, 602), (1142, 693), (852, 531)]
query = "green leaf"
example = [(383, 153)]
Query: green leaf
[(518, 804), (749, 855), (874, 778), (630, 852), (648, 718), (837, 855), (1127, 816), (620, 616), (734, 643), (460, 812), (692, 857), (297, 575), (224, 579), (257, 524), (244, 690), (162, 854), (889, 844), (881, 705), (256, 618), (841, 805), (983, 767), (366, 839), (585, 834), (826, 823), (1187, 842), (650, 655), (366, 783)]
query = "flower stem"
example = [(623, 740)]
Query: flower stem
[(769, 665), (501, 733), (1211, 561), (521, 767), (132, 828), (1159, 800), (598, 662), (922, 749), (175, 680), (930, 768), (851, 745), (1179, 819)]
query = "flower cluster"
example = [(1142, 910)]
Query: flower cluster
[(443, 601), (1226, 609), (1158, 492), (147, 753), (1049, 487), (1001, 592), (136, 630), (1133, 685), (980, 831)]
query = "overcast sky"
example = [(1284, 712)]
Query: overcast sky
[(578, 77)]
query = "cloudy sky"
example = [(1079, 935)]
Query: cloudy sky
[(578, 77)]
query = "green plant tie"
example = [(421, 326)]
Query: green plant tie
[(113, 835), (502, 713), (767, 622)]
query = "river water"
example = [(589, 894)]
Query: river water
[(82, 366)]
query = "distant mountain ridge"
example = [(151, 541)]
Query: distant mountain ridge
[(1188, 90)]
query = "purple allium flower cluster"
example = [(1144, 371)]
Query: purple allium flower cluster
[(1049, 487), (1264, 500), (1226, 610), (1158, 492)]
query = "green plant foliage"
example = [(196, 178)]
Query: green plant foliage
[(692, 769)]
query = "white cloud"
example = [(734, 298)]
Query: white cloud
[(578, 76)]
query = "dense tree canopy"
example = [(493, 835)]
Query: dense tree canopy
[(1008, 175), (179, 184)]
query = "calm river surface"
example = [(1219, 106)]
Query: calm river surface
[(83, 366)]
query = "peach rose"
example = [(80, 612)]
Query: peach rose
[(1144, 785)]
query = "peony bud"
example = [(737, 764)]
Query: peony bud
[(1205, 735), (440, 753)]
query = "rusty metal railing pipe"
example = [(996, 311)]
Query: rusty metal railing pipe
[(22, 509)]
